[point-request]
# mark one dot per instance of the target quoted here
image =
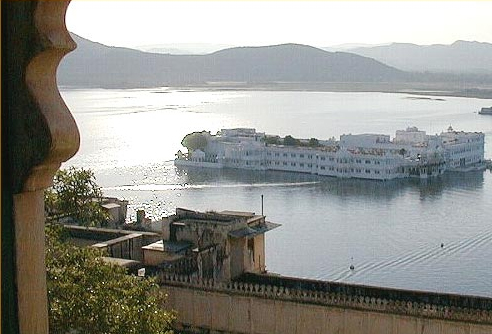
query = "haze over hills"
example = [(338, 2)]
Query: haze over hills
[(97, 65), (348, 46), (183, 48), (459, 57), (205, 48)]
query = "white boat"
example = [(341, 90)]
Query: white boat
[(485, 111)]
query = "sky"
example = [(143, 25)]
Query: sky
[(252, 23)]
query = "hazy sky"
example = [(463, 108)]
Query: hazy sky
[(247, 23)]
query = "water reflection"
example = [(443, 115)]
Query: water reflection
[(427, 188)]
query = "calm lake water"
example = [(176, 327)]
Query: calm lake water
[(391, 231)]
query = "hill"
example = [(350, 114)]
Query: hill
[(461, 57), (97, 65), (183, 48)]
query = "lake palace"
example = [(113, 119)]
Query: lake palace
[(411, 153)]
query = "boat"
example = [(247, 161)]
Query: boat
[(486, 111)]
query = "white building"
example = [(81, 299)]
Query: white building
[(412, 153), (464, 150)]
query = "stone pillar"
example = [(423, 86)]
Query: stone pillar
[(30, 264), (38, 133)]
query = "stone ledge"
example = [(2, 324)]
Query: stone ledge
[(341, 300)]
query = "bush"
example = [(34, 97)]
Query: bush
[(272, 140), (313, 142), (88, 295), (75, 194), (195, 140), (291, 141)]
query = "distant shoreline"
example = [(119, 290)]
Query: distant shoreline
[(427, 89)]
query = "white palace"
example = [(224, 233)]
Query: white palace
[(411, 153)]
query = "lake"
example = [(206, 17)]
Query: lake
[(390, 231)]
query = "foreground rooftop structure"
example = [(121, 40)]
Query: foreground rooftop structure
[(212, 266), (210, 245)]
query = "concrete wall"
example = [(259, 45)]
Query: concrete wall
[(201, 311), (237, 253), (238, 307), (153, 257), (259, 253)]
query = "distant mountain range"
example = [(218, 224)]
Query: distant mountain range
[(460, 57), (412, 66), (183, 48), (97, 65)]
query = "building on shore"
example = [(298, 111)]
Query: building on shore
[(116, 209), (210, 245), (411, 153)]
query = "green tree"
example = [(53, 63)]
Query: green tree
[(195, 140), (272, 140), (75, 194), (88, 295), (291, 141), (313, 142)]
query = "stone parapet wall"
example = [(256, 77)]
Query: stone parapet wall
[(482, 314), (456, 301)]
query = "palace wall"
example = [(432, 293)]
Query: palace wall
[(238, 307)]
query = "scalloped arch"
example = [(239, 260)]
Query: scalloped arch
[(53, 42), (41, 134)]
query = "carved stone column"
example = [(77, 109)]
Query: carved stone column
[(38, 134)]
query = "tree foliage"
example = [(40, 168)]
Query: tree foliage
[(195, 140), (291, 141), (272, 140), (313, 142), (75, 194), (88, 295)]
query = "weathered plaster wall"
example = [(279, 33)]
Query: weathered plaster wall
[(237, 254), (201, 310), (259, 261)]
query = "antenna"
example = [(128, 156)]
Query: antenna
[(262, 204)]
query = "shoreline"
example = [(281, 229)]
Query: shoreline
[(426, 89)]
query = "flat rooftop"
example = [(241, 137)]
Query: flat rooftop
[(228, 217), (186, 221), (169, 246), (244, 224), (237, 213), (110, 206)]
